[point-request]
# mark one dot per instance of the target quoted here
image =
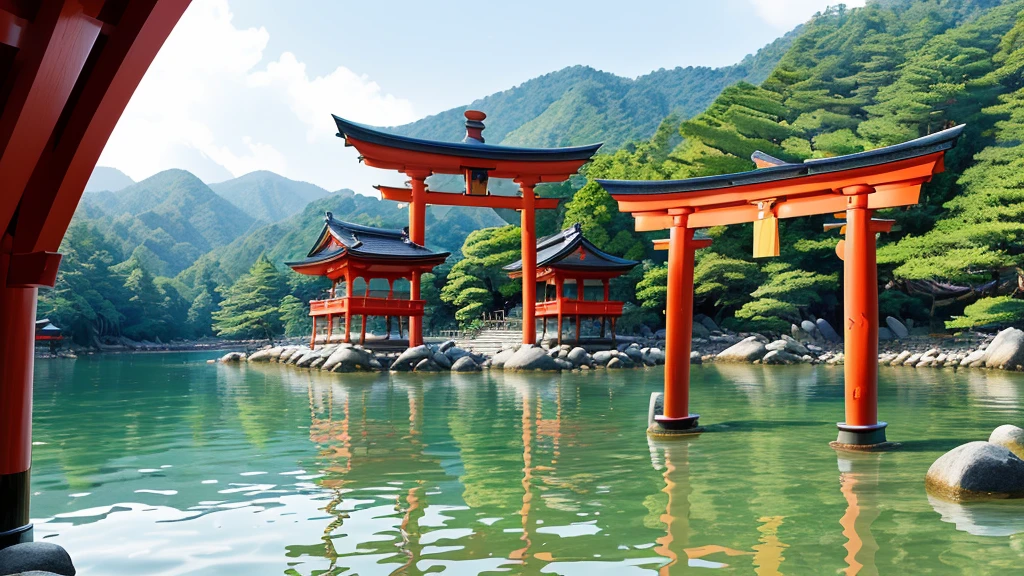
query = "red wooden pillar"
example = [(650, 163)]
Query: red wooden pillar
[(348, 306), (678, 326), (528, 241), (312, 339), (17, 343), (417, 233), (860, 326)]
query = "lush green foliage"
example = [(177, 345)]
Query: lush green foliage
[(477, 283), (996, 311), (250, 308)]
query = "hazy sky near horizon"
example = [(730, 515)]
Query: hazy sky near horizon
[(249, 85)]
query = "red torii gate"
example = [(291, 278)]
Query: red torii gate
[(857, 184), (477, 162), (67, 69)]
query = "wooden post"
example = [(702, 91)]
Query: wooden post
[(348, 305), (330, 327), (417, 232), (528, 241), (312, 339), (678, 326), (860, 311)]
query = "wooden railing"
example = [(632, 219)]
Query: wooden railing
[(579, 308), (369, 305)]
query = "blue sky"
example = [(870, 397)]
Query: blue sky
[(243, 85)]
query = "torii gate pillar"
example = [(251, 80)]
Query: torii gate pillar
[(676, 417), (861, 430)]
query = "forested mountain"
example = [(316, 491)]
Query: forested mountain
[(166, 221), (267, 196), (581, 105), (109, 179)]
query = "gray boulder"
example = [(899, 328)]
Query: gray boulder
[(465, 364), (499, 359), (900, 358), (614, 363), (827, 331), (352, 359), (603, 356), (975, 356), (660, 334), (746, 350), (655, 356), (776, 345), (1009, 436), (977, 470), (307, 359), (578, 356), (36, 559), (1006, 351), (809, 327), (795, 347), (707, 323), (780, 357), (454, 353), (634, 353), (445, 346), (530, 357), (798, 333), (700, 331), (694, 358), (427, 365), (232, 357), (442, 360), (407, 360), (264, 355), (885, 334), (564, 364), (898, 329)]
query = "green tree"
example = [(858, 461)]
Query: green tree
[(477, 283), (250, 306), (295, 316)]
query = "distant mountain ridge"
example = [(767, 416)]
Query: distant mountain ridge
[(581, 105), (267, 196), (105, 178), (167, 220)]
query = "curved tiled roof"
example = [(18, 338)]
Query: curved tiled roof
[(365, 133), (557, 251), (779, 171), (366, 242)]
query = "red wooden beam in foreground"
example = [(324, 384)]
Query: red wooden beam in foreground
[(78, 62)]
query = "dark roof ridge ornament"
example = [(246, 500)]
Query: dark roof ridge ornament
[(474, 127), (329, 217)]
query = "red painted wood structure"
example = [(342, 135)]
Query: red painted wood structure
[(855, 185), (567, 258), (477, 162), (68, 69), (345, 252)]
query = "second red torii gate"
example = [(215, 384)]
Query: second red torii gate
[(855, 184), (477, 162)]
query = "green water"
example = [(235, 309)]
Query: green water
[(163, 464)]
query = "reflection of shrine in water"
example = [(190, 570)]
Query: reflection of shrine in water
[(858, 481)]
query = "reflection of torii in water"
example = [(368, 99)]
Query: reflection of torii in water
[(328, 433), (858, 481), (550, 428), (672, 459), (324, 432)]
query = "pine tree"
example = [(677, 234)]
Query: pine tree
[(250, 305)]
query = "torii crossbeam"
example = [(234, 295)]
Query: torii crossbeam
[(855, 184), (477, 162)]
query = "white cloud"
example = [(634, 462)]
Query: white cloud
[(341, 91), (207, 105), (786, 14)]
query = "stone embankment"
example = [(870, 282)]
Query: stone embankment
[(449, 357), (812, 342)]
